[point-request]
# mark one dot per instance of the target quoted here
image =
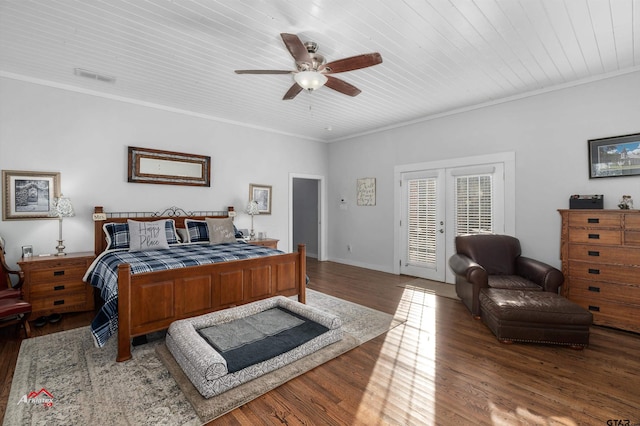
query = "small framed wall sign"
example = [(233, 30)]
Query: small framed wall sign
[(366, 192), (614, 156), (28, 195)]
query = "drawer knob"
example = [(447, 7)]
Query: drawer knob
[(58, 273), (594, 289), (593, 253), (58, 302), (58, 287), (593, 220), (594, 308), (594, 236), (594, 271)]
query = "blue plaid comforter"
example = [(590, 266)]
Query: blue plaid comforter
[(103, 273)]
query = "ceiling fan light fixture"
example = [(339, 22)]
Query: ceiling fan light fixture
[(310, 80)]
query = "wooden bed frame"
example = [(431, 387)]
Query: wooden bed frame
[(151, 301)]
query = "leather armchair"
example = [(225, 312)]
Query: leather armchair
[(495, 261)]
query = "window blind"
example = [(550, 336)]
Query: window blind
[(474, 204), (422, 220)]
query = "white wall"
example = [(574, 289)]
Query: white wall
[(548, 133), (86, 138)]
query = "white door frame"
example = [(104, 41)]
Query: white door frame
[(509, 161), (322, 213)]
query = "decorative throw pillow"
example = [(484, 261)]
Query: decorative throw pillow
[(221, 231), (171, 231), (197, 230), (117, 234), (183, 235), (147, 235)]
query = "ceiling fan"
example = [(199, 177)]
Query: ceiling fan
[(312, 70)]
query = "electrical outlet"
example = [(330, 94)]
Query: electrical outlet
[(349, 248)]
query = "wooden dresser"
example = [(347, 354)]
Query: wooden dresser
[(600, 251), (54, 283)]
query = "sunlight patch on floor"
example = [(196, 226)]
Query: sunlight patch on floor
[(522, 416), (407, 375)]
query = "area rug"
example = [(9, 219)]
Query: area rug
[(62, 378)]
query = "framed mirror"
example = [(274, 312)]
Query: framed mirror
[(168, 168)]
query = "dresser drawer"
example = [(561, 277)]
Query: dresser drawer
[(55, 275), (50, 288), (598, 292), (604, 272), (61, 303), (595, 236), (595, 219), (632, 221), (632, 238), (611, 314), (604, 254)]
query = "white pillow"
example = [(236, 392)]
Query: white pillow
[(147, 235), (221, 230), (183, 235)]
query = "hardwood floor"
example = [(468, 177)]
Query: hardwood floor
[(440, 367)]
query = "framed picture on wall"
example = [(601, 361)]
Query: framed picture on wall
[(262, 194), (28, 195), (614, 156), (366, 191)]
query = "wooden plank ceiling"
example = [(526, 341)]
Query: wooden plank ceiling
[(439, 55)]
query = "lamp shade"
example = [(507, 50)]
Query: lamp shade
[(252, 208), (61, 207), (310, 80)]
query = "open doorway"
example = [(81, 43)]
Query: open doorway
[(306, 214)]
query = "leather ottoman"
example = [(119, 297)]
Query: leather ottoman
[(534, 316)]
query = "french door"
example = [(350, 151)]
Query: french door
[(438, 204), (423, 224)]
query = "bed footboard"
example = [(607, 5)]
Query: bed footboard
[(151, 301)]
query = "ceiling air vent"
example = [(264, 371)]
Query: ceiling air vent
[(93, 75)]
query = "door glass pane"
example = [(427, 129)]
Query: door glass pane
[(422, 220), (474, 204)]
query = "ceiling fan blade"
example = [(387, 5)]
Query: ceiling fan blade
[(342, 86), (296, 47), (292, 92), (352, 63), (262, 72)]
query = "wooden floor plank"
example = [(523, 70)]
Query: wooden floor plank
[(441, 367)]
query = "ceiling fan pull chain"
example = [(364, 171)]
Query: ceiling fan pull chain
[(311, 104)]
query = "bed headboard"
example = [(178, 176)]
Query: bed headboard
[(100, 217)]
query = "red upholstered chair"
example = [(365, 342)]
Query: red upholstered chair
[(8, 290), (15, 311)]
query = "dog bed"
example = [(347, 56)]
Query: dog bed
[(224, 349)]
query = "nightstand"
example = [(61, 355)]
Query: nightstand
[(267, 242), (53, 284)]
